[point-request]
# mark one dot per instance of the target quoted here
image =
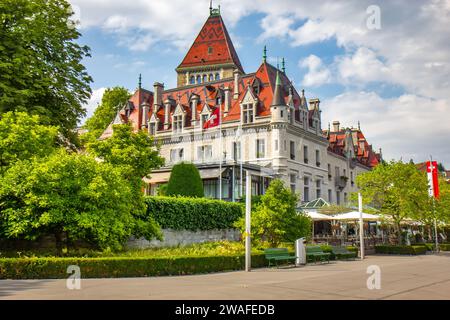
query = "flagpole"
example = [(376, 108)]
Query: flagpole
[(221, 151), (434, 206)]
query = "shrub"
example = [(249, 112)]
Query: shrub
[(56, 268), (411, 250), (185, 181), (193, 214)]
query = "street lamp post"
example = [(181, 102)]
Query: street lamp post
[(361, 227)]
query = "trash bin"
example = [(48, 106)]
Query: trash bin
[(300, 251)]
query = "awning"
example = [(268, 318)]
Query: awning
[(354, 215), (162, 177), (157, 177), (315, 216)]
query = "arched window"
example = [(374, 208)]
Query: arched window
[(211, 77), (217, 76), (192, 80), (199, 79), (205, 78)]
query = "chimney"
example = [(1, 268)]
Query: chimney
[(314, 104), (336, 125), (157, 96), (227, 99), (194, 102), (236, 84), (167, 105), (145, 111)]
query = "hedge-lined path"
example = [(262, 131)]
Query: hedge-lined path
[(402, 277)]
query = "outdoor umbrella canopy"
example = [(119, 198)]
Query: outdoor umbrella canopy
[(354, 215), (315, 216)]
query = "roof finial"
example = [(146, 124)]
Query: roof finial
[(278, 64), (265, 54), (303, 92), (140, 81), (210, 7), (283, 67), (359, 126)]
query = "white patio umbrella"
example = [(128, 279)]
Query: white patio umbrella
[(354, 215), (315, 216)]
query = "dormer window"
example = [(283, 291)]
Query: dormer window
[(210, 50), (152, 128), (178, 123), (248, 113)]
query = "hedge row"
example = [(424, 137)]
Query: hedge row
[(328, 249), (193, 213), (115, 267), (431, 246), (411, 250)]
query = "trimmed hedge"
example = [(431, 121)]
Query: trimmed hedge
[(115, 267), (193, 213), (431, 246), (328, 249), (411, 250), (185, 181)]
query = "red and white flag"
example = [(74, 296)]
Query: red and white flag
[(433, 182), (213, 120)]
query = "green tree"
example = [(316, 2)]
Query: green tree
[(112, 101), (23, 137), (398, 189), (41, 69), (275, 218), (185, 181), (73, 197)]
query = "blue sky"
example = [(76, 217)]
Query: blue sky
[(394, 78)]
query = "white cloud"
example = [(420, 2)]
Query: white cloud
[(94, 101), (317, 74), (406, 127)]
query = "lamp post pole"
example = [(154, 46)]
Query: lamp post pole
[(361, 227), (248, 244)]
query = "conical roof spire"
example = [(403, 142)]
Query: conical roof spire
[(277, 94)]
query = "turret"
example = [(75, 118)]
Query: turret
[(278, 107)]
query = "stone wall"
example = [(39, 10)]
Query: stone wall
[(174, 238)]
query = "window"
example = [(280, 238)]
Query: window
[(329, 172), (211, 188), (210, 50), (247, 113), (204, 153), (204, 118), (177, 123), (260, 148), (318, 189), (217, 76), (281, 114), (351, 178), (345, 197), (285, 147), (205, 78), (192, 80), (306, 189), (237, 151), (152, 128), (199, 79), (176, 155), (211, 77), (292, 148), (293, 180), (336, 171), (338, 197), (276, 144), (305, 154), (318, 158), (345, 172), (330, 195)]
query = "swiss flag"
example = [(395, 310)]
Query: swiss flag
[(213, 120), (433, 183)]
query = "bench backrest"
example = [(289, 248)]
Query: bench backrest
[(276, 252), (314, 249)]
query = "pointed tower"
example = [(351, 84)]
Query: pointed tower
[(212, 55), (278, 107)]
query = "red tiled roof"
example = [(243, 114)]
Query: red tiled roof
[(212, 46)]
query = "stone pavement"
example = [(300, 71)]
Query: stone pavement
[(402, 277)]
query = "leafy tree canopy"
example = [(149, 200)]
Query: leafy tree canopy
[(185, 181), (112, 101), (71, 196), (41, 69), (22, 137), (276, 219)]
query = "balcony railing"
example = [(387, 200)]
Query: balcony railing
[(341, 181)]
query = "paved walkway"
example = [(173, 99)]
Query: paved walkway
[(402, 277)]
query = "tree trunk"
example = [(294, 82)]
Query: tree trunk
[(399, 234), (59, 242)]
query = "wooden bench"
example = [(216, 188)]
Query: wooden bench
[(315, 254), (343, 253), (278, 254)]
